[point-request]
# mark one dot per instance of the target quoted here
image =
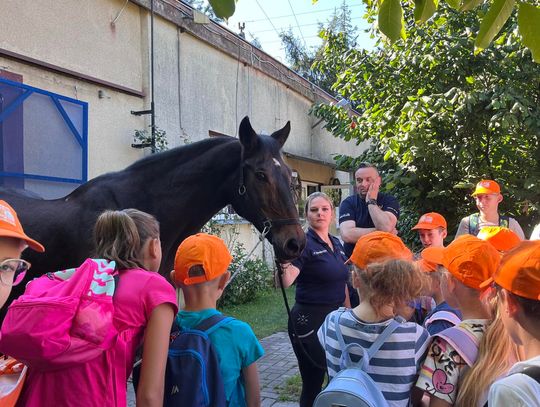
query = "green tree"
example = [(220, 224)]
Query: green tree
[(206, 8), (389, 14), (339, 30), (440, 118)]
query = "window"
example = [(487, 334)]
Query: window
[(43, 140)]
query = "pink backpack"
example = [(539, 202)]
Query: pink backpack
[(63, 318)]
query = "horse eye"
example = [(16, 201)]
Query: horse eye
[(261, 176)]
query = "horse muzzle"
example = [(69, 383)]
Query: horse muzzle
[(288, 241)]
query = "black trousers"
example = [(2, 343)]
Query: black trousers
[(307, 319)]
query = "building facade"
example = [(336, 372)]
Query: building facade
[(72, 72)]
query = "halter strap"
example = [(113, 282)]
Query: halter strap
[(241, 185)]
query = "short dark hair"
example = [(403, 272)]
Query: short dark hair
[(365, 164)]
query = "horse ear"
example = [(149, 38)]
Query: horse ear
[(282, 134), (248, 137)]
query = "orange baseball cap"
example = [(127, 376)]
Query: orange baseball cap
[(205, 250), (433, 255), (487, 186), (10, 226), (503, 239), (431, 220), (469, 259), (376, 247), (519, 272), (426, 266)]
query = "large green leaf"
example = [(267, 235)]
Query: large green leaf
[(469, 4), (424, 9), (223, 8), (529, 28), (391, 21), (454, 3), (492, 23)]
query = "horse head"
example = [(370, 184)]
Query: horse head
[(264, 195)]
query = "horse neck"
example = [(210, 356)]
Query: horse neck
[(203, 179)]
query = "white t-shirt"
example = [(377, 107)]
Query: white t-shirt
[(516, 390), (535, 235)]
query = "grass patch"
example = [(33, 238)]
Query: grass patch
[(291, 389), (266, 314)]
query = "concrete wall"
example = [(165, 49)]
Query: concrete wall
[(77, 35), (206, 79)]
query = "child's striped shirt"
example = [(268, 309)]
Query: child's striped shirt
[(394, 367)]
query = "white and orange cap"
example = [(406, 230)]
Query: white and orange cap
[(10, 226)]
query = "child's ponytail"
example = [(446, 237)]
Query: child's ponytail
[(121, 235), (496, 355)]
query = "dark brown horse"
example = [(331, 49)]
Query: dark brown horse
[(183, 188)]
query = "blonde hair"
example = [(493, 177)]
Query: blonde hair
[(310, 199), (121, 235), (392, 282), (315, 195), (496, 355)]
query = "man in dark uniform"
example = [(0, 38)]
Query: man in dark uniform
[(367, 211)]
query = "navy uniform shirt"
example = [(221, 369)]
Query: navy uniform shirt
[(323, 273), (355, 208)]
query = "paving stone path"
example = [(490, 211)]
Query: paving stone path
[(275, 367)]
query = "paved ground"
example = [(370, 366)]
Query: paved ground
[(278, 364), (275, 367)]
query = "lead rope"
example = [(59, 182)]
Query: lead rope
[(279, 271), (262, 236)]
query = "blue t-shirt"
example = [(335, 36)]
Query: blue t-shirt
[(236, 346), (355, 208), (440, 324), (323, 273)]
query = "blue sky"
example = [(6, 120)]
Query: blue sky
[(265, 18)]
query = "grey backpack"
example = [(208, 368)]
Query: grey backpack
[(352, 386)]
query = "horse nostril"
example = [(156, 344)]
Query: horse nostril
[(292, 246)]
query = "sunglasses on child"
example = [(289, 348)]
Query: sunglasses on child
[(16, 267)]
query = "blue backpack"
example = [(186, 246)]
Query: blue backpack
[(352, 386), (193, 377)]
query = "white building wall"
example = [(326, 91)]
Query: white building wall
[(198, 87)]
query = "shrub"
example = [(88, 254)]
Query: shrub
[(255, 277)]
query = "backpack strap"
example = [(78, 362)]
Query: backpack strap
[(462, 341), (212, 323), (345, 360), (474, 221), (383, 336), (104, 279), (504, 221), (442, 316), (533, 372)]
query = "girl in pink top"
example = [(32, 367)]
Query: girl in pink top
[(145, 305)]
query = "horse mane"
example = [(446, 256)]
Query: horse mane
[(183, 155)]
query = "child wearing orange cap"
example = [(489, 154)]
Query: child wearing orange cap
[(13, 241), (200, 270), (386, 279), (518, 293), (487, 195), (431, 229), (502, 239), (442, 316), (456, 370)]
